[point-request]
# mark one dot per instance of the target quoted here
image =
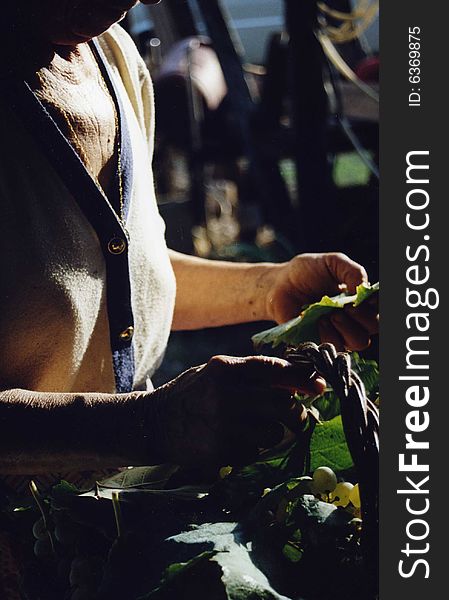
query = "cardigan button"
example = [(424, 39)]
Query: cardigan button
[(117, 245), (127, 334)]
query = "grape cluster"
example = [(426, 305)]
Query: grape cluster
[(74, 551), (298, 528), (326, 487)]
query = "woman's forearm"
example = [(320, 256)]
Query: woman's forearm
[(44, 432), (213, 293)]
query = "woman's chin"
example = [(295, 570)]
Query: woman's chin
[(74, 39)]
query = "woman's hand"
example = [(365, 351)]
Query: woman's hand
[(306, 279), (244, 292), (223, 412)]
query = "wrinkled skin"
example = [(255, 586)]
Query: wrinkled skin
[(225, 411), (308, 277)]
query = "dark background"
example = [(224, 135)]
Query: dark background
[(271, 171)]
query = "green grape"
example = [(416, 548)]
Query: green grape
[(43, 549), (340, 496), (354, 496), (39, 530), (324, 481)]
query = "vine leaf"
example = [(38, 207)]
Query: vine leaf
[(154, 477), (304, 328), (228, 545), (320, 522), (179, 575), (329, 447)]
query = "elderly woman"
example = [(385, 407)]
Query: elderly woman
[(89, 291)]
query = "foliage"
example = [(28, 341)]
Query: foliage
[(329, 446), (259, 532), (304, 328), (265, 531), (327, 406)]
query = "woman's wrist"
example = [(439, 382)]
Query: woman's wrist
[(265, 290)]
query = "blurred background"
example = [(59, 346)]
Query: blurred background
[(267, 136)]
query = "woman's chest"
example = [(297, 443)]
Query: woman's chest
[(86, 114)]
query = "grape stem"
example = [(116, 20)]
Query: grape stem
[(117, 513), (36, 497)]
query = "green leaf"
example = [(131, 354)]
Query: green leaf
[(177, 568), (329, 447), (63, 492), (176, 573), (64, 487), (289, 490), (292, 553), (149, 477), (328, 404), (304, 328), (244, 487), (320, 522), (364, 292), (240, 577), (368, 371)]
